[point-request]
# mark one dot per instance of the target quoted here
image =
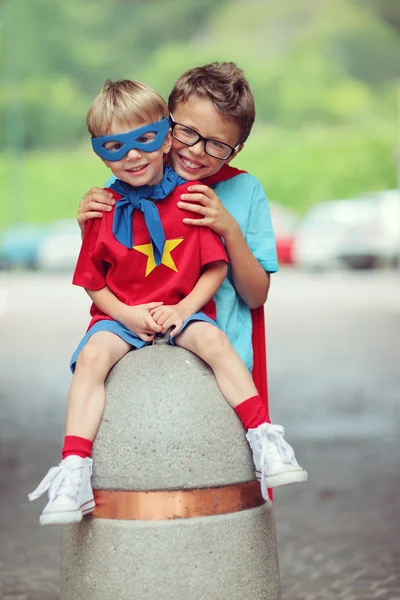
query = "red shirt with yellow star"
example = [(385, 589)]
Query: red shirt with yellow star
[(131, 273)]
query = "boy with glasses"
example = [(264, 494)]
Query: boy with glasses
[(190, 137)]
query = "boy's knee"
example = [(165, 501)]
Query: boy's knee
[(92, 358), (214, 342)]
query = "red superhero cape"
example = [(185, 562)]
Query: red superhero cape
[(257, 315)]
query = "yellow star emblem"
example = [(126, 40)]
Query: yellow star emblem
[(166, 259)]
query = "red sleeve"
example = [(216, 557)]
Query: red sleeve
[(89, 271), (211, 247)]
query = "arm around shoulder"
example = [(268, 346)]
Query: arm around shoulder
[(92, 205)]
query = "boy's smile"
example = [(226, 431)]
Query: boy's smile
[(200, 114)]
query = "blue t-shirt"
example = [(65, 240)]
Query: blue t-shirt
[(244, 197)]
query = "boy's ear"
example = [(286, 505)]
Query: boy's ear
[(235, 154), (167, 143)]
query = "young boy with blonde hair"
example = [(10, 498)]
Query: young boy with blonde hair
[(147, 271)]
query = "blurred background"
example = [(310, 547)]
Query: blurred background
[(326, 77), (326, 146)]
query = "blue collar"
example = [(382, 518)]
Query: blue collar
[(137, 198), (131, 139)]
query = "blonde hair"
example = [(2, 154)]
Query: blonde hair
[(227, 88), (122, 102)]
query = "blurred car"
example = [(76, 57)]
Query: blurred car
[(320, 234), (284, 222), (359, 232), (60, 249), (374, 239), (19, 245)]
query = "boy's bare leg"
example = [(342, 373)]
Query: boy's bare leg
[(213, 346), (69, 484), (273, 458), (87, 393)]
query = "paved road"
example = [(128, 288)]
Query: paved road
[(333, 347)]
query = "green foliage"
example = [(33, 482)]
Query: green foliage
[(388, 10), (50, 184), (302, 168), (324, 75), (370, 53), (307, 61)]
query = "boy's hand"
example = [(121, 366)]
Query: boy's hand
[(94, 201), (215, 215), (139, 320), (169, 316)]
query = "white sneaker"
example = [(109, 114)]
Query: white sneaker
[(273, 458), (70, 491)]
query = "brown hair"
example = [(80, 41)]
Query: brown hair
[(122, 102), (226, 86)]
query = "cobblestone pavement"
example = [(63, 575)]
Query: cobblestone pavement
[(342, 541), (334, 384)]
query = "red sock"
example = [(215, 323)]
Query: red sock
[(252, 412), (77, 446)]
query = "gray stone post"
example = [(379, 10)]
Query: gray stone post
[(167, 427)]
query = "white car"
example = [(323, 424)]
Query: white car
[(374, 240), (60, 249), (359, 232), (321, 234)]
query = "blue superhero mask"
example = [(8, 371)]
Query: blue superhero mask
[(130, 140)]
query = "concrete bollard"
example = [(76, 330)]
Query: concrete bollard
[(167, 448)]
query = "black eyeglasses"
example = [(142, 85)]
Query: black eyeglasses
[(190, 137)]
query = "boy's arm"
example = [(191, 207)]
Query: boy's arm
[(135, 318), (90, 274), (214, 266), (173, 316), (205, 288), (108, 303), (250, 277), (253, 257), (214, 261)]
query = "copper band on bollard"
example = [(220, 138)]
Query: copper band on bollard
[(177, 504)]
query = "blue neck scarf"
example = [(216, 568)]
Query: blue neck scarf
[(137, 198)]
